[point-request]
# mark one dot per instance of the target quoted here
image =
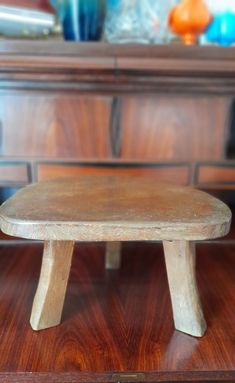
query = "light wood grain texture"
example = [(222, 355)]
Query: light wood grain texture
[(113, 255), (180, 263), (113, 208), (49, 299)]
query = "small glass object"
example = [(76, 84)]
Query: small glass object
[(135, 21), (189, 19), (222, 29), (82, 20), (25, 22)]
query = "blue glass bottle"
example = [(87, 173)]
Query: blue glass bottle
[(82, 20), (222, 29)]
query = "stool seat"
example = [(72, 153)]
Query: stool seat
[(113, 208)]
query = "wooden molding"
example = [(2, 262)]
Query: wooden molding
[(116, 68)]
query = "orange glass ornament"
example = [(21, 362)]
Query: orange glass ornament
[(189, 19)]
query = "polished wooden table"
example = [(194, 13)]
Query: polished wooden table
[(117, 326)]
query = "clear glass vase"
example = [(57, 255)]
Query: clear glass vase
[(135, 21)]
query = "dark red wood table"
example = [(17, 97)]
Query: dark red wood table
[(117, 326)]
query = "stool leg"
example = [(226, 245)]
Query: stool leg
[(113, 255), (49, 299), (180, 263)]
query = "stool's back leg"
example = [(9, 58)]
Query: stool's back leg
[(180, 263), (113, 255), (49, 299)]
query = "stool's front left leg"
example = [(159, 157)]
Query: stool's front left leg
[(49, 299), (180, 264)]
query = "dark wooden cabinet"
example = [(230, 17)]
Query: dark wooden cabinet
[(164, 106)]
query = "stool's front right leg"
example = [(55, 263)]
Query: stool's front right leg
[(49, 298), (180, 264)]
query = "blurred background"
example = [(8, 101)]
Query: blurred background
[(121, 21)]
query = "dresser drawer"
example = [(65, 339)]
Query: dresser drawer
[(177, 174), (218, 175), (174, 128), (54, 125), (13, 173)]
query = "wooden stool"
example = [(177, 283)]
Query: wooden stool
[(114, 209)]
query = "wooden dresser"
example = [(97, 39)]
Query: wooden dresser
[(68, 109)]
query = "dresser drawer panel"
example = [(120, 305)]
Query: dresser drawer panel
[(16, 173), (55, 125), (174, 128), (216, 175), (171, 174)]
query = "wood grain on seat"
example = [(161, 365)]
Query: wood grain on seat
[(112, 208)]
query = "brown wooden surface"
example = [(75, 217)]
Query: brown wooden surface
[(216, 174), (174, 128), (180, 259), (78, 126), (54, 125), (229, 237), (61, 65), (113, 208), (116, 322), (49, 298), (80, 102), (100, 49), (166, 173), (126, 56), (15, 172)]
